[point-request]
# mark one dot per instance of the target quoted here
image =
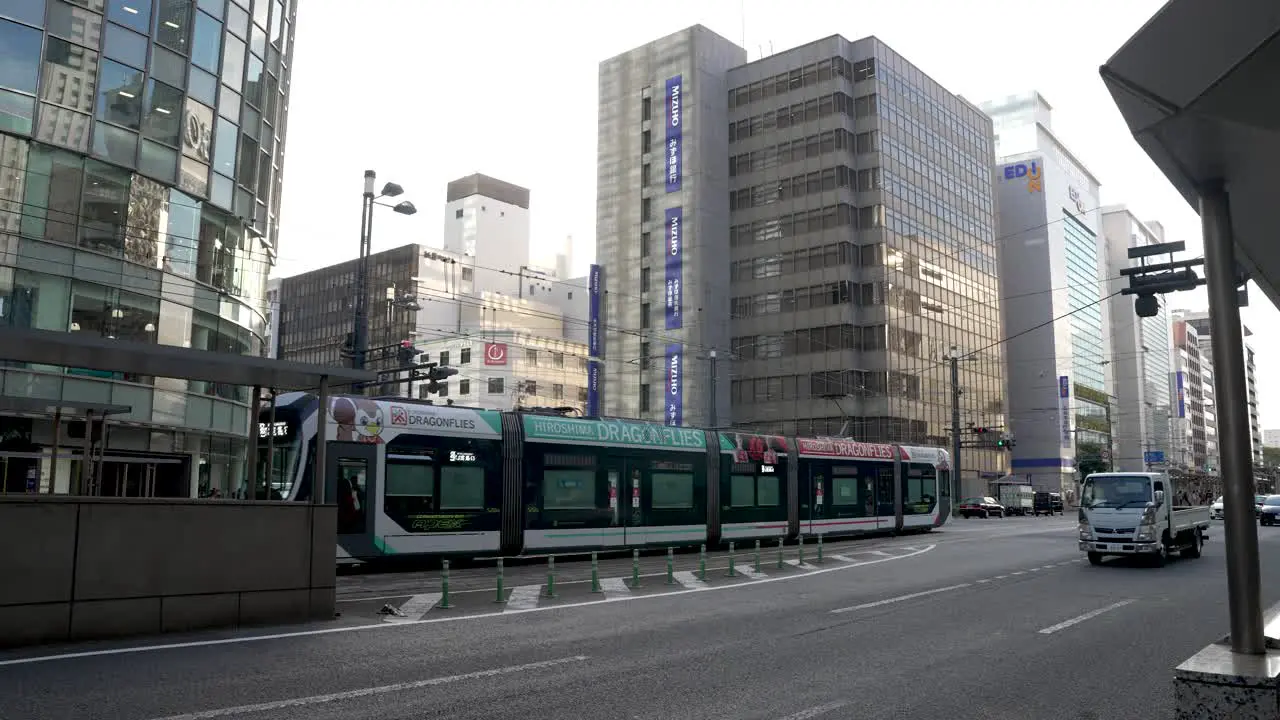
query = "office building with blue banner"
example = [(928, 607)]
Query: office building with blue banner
[(822, 269)]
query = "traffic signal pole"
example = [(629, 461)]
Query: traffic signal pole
[(955, 432)]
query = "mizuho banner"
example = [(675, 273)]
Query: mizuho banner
[(675, 117), (675, 266), (675, 385), (595, 337), (1064, 409), (1182, 396)]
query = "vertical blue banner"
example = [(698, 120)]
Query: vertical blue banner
[(595, 337), (593, 388), (675, 117), (1064, 411), (675, 385), (675, 266), (595, 291), (1182, 396)]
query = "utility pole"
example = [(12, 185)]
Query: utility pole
[(955, 431), (712, 415), (360, 333)]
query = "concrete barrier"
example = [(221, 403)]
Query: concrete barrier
[(1217, 683), (87, 568)]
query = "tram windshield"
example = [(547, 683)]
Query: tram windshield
[(278, 445)]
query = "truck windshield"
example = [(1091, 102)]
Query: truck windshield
[(1115, 491)]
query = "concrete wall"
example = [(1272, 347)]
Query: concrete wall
[(84, 568)]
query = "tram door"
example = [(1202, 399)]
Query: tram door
[(351, 482), (623, 478)]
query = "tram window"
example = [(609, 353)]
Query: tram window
[(767, 492), (845, 491), (672, 491), (461, 488), (410, 479), (569, 489), (742, 491)]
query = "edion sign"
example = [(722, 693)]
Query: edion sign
[(495, 354)]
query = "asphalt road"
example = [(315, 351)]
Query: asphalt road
[(983, 619)]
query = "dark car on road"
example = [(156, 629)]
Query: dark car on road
[(980, 507), (1269, 512), (1047, 503)]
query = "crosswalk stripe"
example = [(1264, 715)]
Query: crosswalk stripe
[(523, 597), (688, 579), (415, 607)]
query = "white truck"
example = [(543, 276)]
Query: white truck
[(1133, 514), (1017, 498)]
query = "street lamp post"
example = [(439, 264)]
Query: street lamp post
[(360, 333)]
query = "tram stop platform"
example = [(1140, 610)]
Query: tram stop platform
[(83, 567)]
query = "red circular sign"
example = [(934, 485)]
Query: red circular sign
[(495, 354)]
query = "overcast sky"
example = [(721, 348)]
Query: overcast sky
[(425, 92)]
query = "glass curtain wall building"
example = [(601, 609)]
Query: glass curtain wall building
[(142, 143)]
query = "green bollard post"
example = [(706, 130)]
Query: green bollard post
[(595, 574), (757, 555), (551, 576), (702, 562), (671, 570), (819, 548), (800, 549), (501, 595), (444, 586), (635, 568), (733, 572), (780, 559)]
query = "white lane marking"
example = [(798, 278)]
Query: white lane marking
[(815, 711), (900, 598), (688, 579), (614, 588), (416, 607), (1045, 567), (803, 566), (985, 580), (129, 650), (750, 573), (846, 558), (1020, 572), (1087, 616), (1035, 569), (1001, 577), (523, 597), (368, 692), (879, 552)]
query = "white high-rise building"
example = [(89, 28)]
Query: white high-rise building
[(486, 226), (1142, 353), (1053, 264)]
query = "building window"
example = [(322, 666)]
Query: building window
[(464, 387), (644, 356), (495, 386), (644, 398), (444, 357), (644, 244), (646, 108), (644, 175), (557, 359), (646, 210), (644, 316), (644, 280), (557, 392), (529, 387), (531, 356), (468, 274), (458, 213), (464, 357), (444, 389), (644, 142)]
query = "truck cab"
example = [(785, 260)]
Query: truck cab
[(1133, 514)]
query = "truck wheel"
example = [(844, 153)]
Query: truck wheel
[(1193, 551), (1095, 558)]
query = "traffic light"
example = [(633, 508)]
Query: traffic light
[(407, 353), (1005, 443), (980, 430), (435, 375)]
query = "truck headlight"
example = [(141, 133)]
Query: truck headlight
[(1146, 533), (1086, 532)]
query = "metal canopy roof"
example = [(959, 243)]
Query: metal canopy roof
[(81, 350), (1197, 87)]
